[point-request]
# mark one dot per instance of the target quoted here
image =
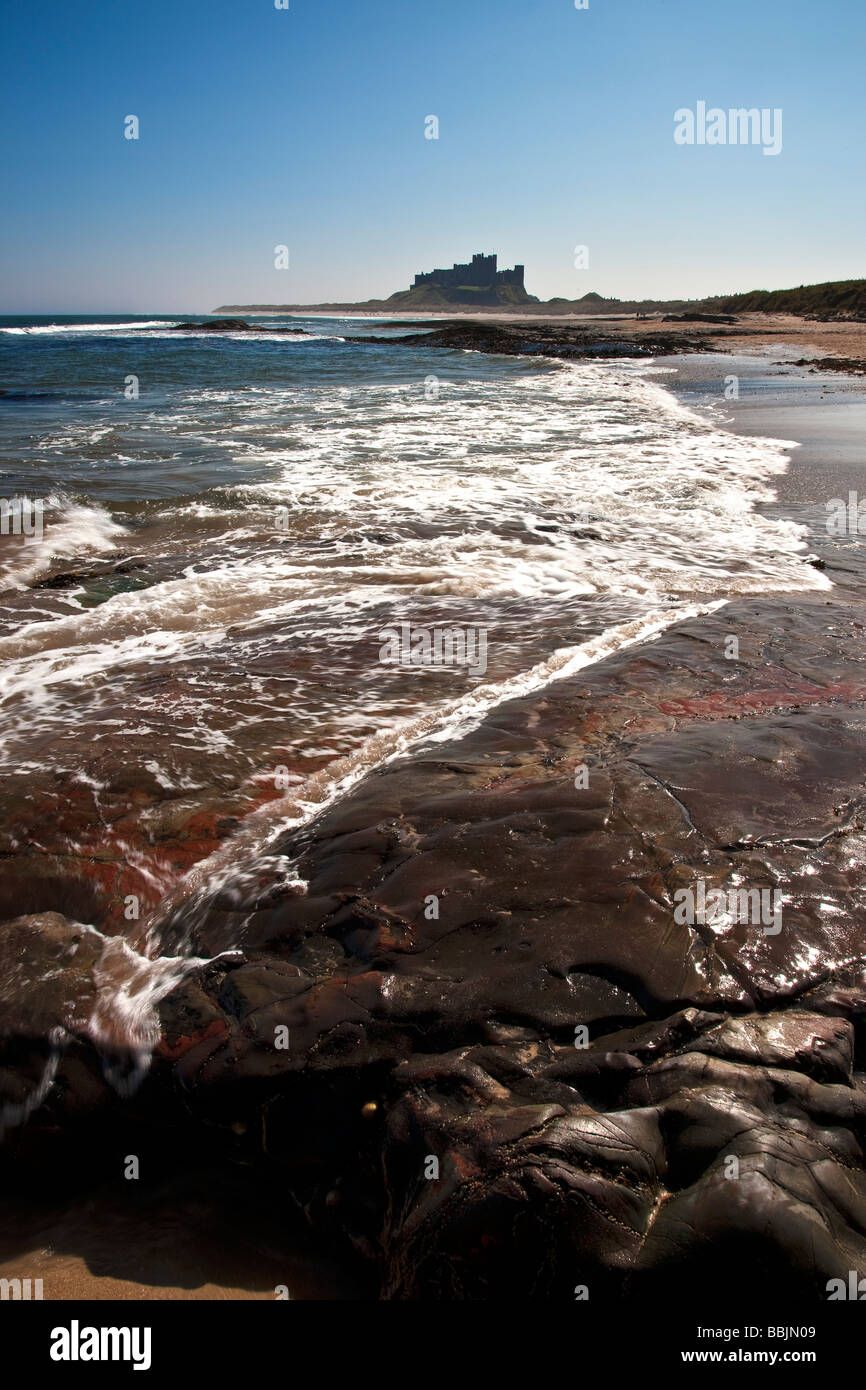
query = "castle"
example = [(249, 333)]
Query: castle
[(481, 273)]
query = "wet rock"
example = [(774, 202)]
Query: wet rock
[(542, 340), (47, 967), (230, 326), (486, 1049)]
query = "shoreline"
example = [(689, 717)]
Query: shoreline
[(780, 398), (666, 704), (843, 338), (823, 420)]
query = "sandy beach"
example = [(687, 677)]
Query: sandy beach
[(824, 412)]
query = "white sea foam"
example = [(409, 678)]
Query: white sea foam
[(69, 529), (672, 500), (86, 327), (548, 487)]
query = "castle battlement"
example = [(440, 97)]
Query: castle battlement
[(479, 273)]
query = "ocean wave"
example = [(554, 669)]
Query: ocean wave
[(37, 329), (591, 482), (538, 505), (69, 529), (256, 336)]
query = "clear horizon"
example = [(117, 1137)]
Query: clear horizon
[(306, 128)]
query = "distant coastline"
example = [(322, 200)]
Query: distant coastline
[(831, 300), (829, 343)]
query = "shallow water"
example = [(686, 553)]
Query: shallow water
[(197, 638)]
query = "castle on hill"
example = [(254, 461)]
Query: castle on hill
[(480, 273)]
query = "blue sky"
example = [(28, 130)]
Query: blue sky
[(306, 127)]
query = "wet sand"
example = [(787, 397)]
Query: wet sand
[(204, 1235), (823, 412)]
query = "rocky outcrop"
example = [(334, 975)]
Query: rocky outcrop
[(230, 326), (567, 341), (487, 1046)]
